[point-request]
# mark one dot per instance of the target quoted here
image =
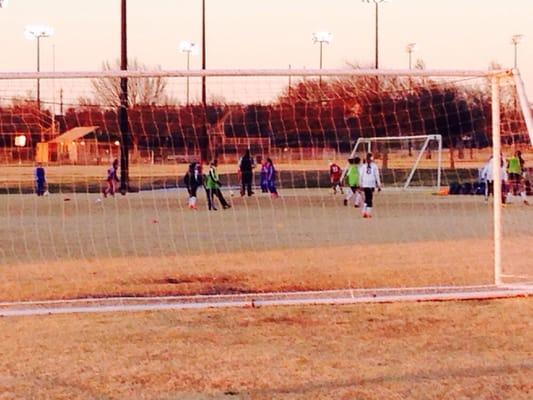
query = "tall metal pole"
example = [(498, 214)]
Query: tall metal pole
[(204, 100), (377, 36), (320, 77), (123, 109), (203, 140), (39, 70), (188, 67), (410, 59), (515, 55)]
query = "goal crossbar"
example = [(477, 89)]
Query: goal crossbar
[(254, 72)]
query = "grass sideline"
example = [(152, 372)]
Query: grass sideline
[(451, 350)]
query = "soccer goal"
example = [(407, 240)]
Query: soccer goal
[(368, 145), (220, 181)]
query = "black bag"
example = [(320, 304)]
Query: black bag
[(455, 188)]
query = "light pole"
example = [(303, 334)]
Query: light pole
[(123, 108), (376, 2), (321, 38), (188, 47), (515, 41), (410, 48), (37, 32)]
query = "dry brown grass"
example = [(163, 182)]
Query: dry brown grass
[(464, 350)]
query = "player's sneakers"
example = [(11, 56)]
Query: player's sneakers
[(345, 202), (225, 207)]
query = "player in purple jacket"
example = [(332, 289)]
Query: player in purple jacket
[(271, 178)]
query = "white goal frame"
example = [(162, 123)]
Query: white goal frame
[(494, 76), (427, 140)]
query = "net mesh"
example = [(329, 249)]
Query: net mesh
[(293, 233)]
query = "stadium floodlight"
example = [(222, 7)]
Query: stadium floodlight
[(410, 48), (515, 41), (188, 48), (4, 3), (376, 2), (322, 37), (38, 32)]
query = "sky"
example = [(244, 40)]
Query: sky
[(450, 34)]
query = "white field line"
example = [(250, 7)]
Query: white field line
[(268, 299)]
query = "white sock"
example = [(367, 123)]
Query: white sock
[(358, 198), (369, 210), (349, 194)]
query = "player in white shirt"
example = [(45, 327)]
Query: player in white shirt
[(369, 181), (487, 176)]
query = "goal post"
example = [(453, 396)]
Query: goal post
[(425, 139), (290, 228)]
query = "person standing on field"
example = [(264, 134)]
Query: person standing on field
[(246, 166), (488, 177), (515, 169), (271, 178), (352, 181), (370, 181), (40, 180), (335, 173), (212, 186), (193, 180), (112, 179)]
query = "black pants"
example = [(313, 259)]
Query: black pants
[(192, 190), (369, 196), (246, 182), (211, 193)]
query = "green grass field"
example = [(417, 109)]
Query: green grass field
[(149, 243)]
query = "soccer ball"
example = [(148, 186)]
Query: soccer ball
[(98, 200), (47, 193)]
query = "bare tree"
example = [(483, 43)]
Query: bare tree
[(141, 91)]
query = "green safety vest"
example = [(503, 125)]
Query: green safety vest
[(212, 179), (514, 166), (352, 176)]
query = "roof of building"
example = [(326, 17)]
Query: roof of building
[(74, 134)]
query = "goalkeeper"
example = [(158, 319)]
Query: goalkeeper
[(351, 178)]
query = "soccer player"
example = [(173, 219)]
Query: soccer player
[(352, 181), (271, 178), (40, 180), (212, 186), (335, 173), (112, 179), (193, 180), (246, 166), (264, 177), (488, 177), (370, 181), (516, 169)]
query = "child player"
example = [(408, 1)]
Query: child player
[(370, 181), (193, 180), (335, 173), (112, 179), (40, 180), (352, 181)]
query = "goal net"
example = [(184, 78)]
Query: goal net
[(420, 145), (282, 157)]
